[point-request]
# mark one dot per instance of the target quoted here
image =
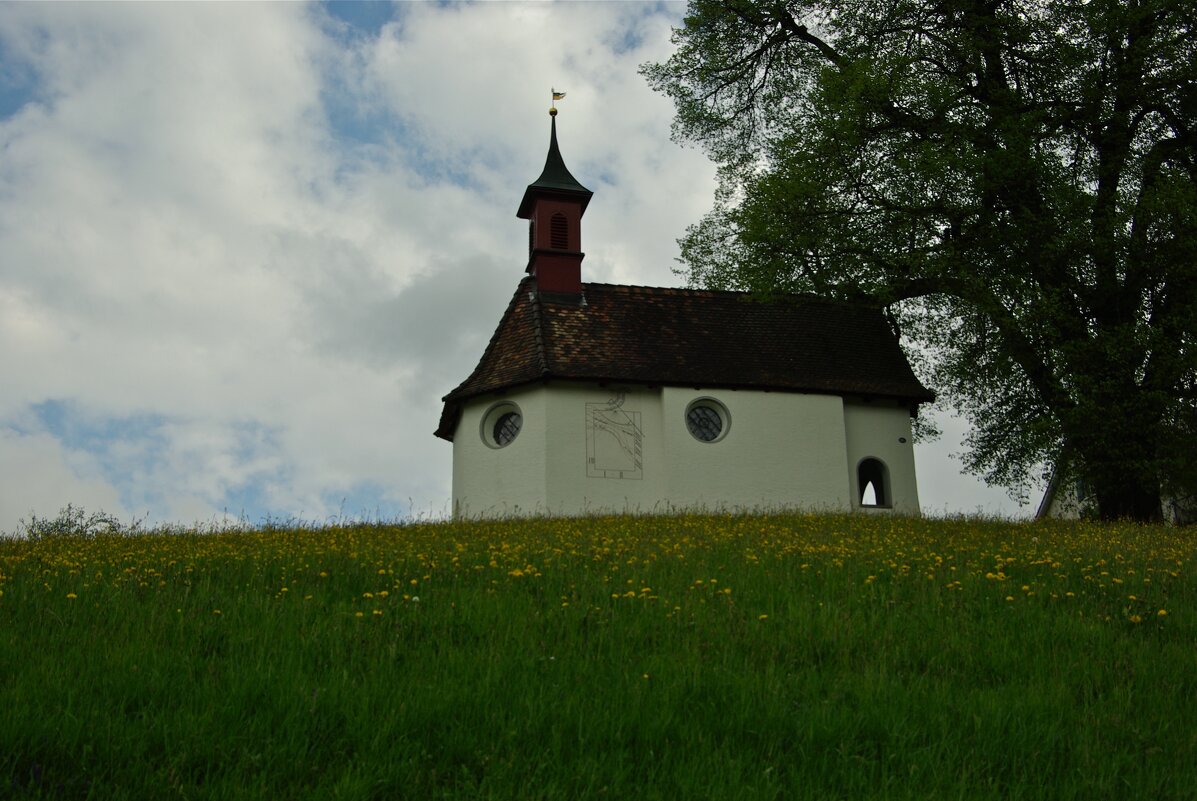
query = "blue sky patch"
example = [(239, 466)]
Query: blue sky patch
[(362, 18), (80, 431), (18, 83)]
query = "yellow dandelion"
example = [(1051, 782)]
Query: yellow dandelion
[(359, 614), (762, 617), (1162, 613)]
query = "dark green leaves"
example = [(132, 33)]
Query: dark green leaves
[(1020, 173)]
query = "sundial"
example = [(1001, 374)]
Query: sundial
[(613, 440)]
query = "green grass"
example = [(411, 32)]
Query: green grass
[(678, 657)]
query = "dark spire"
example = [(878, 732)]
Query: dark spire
[(554, 178)]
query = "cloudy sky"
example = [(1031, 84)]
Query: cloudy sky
[(245, 249)]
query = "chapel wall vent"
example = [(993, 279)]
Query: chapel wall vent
[(559, 232)]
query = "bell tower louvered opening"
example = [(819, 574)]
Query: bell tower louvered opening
[(559, 232)]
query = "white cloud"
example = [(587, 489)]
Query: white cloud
[(245, 252), (42, 477)]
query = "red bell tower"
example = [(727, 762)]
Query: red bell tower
[(554, 204)]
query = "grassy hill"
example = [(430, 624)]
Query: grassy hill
[(621, 657)]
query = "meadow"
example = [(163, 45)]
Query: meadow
[(726, 657)]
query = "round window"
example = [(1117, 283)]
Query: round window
[(501, 424), (707, 420), (507, 427)]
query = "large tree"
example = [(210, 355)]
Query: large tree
[(1015, 180)]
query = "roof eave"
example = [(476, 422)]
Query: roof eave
[(927, 396), (535, 191)]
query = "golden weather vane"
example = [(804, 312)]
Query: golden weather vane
[(556, 96)]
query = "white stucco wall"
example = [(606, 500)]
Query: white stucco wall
[(490, 482), (585, 449), (877, 430), (1064, 504), (782, 449), (576, 485)]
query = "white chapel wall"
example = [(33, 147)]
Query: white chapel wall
[(604, 450), (781, 449), (590, 449), (882, 431), (628, 449), (499, 482)]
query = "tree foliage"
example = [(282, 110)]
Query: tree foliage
[(1016, 180)]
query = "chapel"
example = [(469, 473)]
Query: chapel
[(595, 398)]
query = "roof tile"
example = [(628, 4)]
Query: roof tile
[(684, 337)]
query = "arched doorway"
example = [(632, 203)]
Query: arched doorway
[(872, 483)]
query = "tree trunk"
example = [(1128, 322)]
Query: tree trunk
[(1118, 463), (1130, 502)]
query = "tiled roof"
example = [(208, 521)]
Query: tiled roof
[(685, 337)]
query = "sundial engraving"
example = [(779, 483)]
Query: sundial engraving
[(614, 441)]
